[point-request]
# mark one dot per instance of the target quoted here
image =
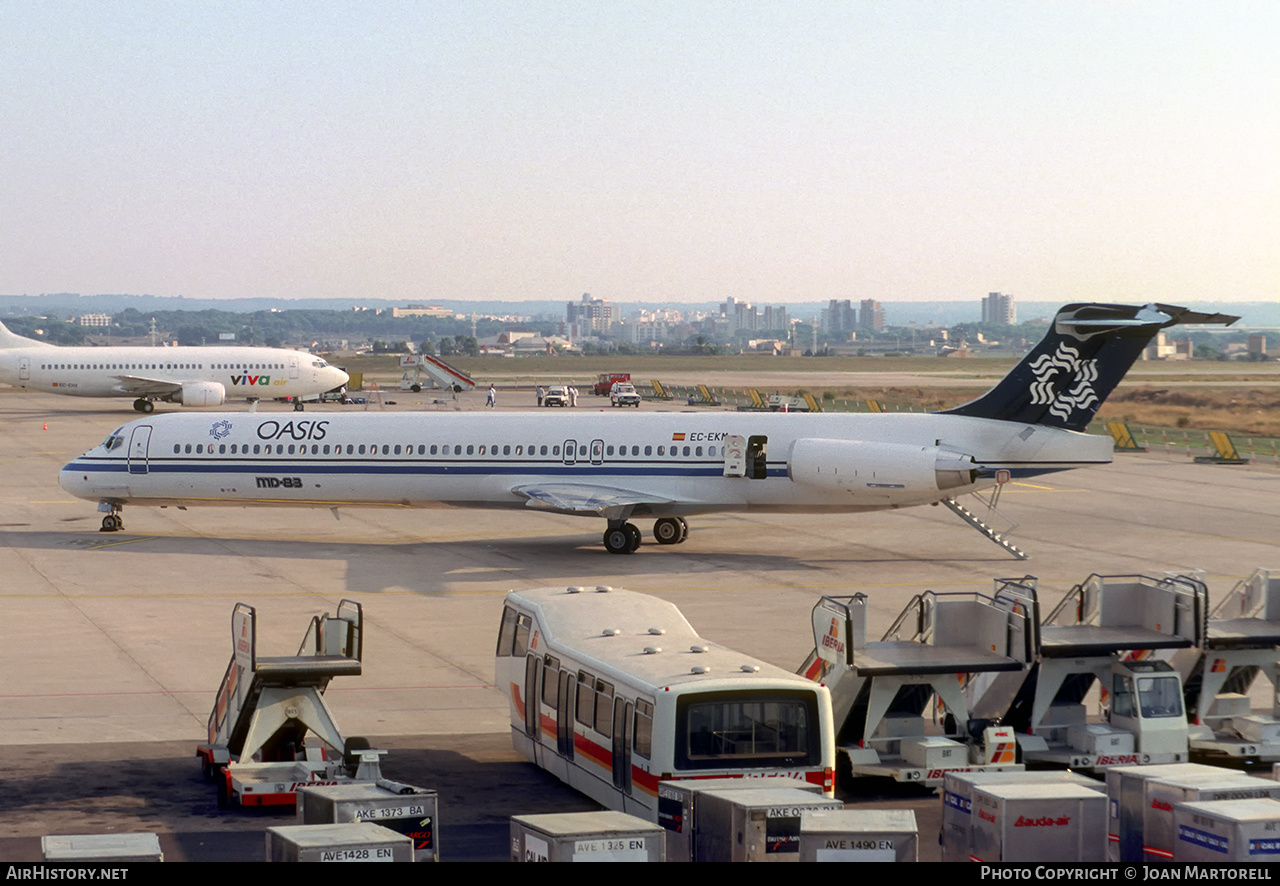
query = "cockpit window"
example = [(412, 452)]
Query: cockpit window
[(114, 439)]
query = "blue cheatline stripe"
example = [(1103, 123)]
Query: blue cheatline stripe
[(419, 468), (472, 468)]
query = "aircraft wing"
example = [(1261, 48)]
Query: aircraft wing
[(583, 498), (140, 385)]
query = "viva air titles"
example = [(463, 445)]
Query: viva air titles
[(191, 376)]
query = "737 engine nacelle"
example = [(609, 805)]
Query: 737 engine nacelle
[(201, 393), (879, 470)]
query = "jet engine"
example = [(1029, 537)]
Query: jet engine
[(201, 393), (879, 469)]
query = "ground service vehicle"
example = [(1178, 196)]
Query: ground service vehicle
[(881, 692), (612, 691), (624, 394), (556, 395), (606, 380), (270, 731), (1242, 643), (1102, 632), (423, 370)]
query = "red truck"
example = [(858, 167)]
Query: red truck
[(605, 381)]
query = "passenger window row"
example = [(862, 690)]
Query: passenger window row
[(423, 449)]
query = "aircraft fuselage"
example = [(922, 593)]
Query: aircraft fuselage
[(591, 464)]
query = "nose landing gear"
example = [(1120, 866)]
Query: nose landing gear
[(112, 522)]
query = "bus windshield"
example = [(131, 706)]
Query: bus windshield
[(748, 728)]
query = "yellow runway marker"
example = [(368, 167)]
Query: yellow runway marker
[(112, 544)]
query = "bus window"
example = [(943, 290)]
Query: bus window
[(621, 745), (564, 716), (721, 729), (586, 698), (604, 708), (532, 665), (507, 632), (523, 624), (551, 682), (643, 733)]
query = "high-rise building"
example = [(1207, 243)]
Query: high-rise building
[(839, 316), (999, 309), (871, 315), (593, 313)]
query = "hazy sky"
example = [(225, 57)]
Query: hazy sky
[(774, 152)]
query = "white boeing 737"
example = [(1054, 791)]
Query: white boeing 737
[(187, 375), (661, 465)]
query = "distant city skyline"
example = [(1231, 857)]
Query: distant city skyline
[(776, 154)]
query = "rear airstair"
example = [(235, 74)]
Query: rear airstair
[(1242, 642), (881, 692), (1108, 630), (270, 731)]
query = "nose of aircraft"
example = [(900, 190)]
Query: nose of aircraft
[(74, 480), (335, 377)]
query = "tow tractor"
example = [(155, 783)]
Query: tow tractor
[(880, 692), (1101, 632), (1241, 643), (270, 731)]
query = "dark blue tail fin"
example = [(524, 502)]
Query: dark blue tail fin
[(1088, 349)]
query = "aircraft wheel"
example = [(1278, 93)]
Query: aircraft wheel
[(634, 535), (148, 406), (684, 530), (112, 523), (139, 405), (617, 540), (668, 531)]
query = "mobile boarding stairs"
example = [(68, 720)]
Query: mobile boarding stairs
[(270, 731), (1242, 641), (881, 691), (424, 370), (1110, 630)]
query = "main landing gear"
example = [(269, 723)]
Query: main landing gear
[(624, 538), (112, 522), (142, 404)]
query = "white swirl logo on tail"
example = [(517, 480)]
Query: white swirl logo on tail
[(1076, 390)]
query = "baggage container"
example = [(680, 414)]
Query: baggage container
[(585, 836), (1039, 823), (957, 802), (354, 841), (678, 806), (882, 835), (758, 825), (1127, 800), (1227, 831), (1164, 794), (400, 808)]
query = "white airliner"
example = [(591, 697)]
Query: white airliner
[(661, 465), (190, 376)]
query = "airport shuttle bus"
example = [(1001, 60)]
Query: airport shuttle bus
[(613, 691)]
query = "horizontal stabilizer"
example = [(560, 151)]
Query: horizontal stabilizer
[(1065, 379)]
